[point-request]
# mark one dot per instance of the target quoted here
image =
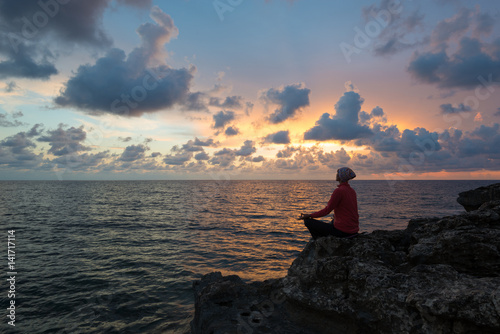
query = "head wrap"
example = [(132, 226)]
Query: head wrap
[(345, 174)]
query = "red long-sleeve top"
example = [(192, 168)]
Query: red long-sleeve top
[(344, 204)]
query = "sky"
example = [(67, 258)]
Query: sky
[(240, 89)]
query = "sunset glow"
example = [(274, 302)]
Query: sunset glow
[(249, 90)]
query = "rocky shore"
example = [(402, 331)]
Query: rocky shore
[(439, 275)]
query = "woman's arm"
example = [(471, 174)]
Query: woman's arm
[(332, 204)]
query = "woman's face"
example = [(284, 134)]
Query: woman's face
[(337, 178)]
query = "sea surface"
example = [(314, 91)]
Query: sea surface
[(121, 256)]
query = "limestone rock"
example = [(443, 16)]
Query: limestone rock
[(439, 275), (472, 199)]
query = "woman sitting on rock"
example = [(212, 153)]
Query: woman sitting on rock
[(343, 202)]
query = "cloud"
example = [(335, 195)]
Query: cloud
[(10, 87), (35, 130), (468, 68), (125, 140), (280, 137), (287, 152), (462, 22), (470, 64), (191, 146), (80, 162), (73, 21), (455, 26), (484, 24), (16, 151), (223, 158), (202, 156), (133, 153), (232, 131), (389, 28), (178, 159), (26, 60), (344, 125), (260, 158), (449, 109), (137, 3), (18, 143), (419, 140), (65, 141), (376, 115), (384, 139), (231, 102), (208, 142), (222, 118), (134, 84), (497, 113), (31, 28), (484, 140), (4, 122), (195, 101), (290, 99), (334, 159), (247, 149)]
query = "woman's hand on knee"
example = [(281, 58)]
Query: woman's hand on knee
[(304, 216)]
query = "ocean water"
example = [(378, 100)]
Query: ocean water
[(120, 256)]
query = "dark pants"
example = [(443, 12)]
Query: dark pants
[(321, 229)]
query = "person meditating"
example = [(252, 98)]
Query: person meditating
[(343, 202)]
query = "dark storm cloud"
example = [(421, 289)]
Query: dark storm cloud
[(280, 137), (222, 118), (344, 125), (290, 100), (65, 141), (127, 85)]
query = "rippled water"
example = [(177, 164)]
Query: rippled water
[(120, 256)]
